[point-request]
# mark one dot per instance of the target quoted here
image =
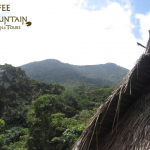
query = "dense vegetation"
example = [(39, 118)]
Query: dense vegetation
[(39, 116), (73, 76)]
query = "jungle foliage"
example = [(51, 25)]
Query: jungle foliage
[(39, 116)]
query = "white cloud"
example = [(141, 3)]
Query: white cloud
[(144, 26), (63, 30)]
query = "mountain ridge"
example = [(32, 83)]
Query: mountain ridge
[(52, 70)]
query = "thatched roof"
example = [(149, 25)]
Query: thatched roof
[(112, 111)]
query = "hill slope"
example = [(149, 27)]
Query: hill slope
[(72, 76)]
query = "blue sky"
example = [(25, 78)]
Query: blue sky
[(137, 7), (79, 32)]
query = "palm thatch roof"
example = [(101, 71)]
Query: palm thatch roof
[(122, 122)]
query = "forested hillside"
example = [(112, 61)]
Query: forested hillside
[(72, 76), (39, 116)]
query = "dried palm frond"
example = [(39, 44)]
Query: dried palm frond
[(122, 122)]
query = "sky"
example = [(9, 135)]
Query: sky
[(78, 32)]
